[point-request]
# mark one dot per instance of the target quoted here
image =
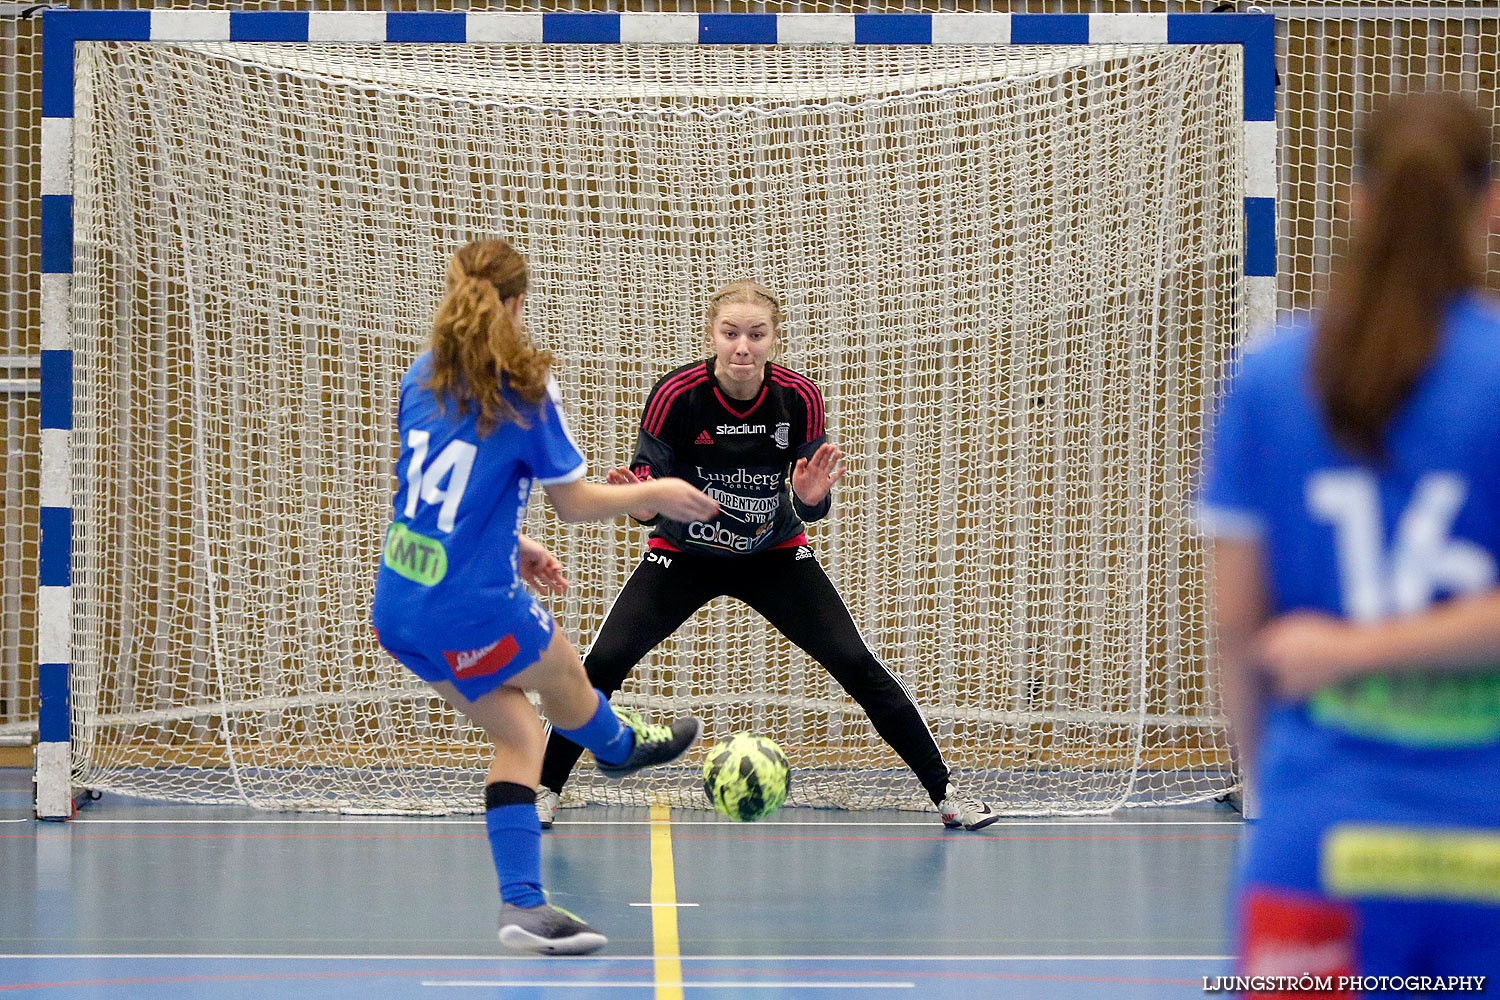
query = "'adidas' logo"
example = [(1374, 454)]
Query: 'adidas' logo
[(703, 438)]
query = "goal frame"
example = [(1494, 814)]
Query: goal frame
[(62, 28)]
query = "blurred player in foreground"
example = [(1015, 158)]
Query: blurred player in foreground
[(1352, 499)]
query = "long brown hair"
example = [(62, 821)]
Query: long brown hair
[(1424, 160), (475, 345)]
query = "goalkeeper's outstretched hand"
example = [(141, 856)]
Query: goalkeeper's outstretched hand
[(623, 477), (813, 478)]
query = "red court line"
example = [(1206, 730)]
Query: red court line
[(264, 976), (562, 974), (267, 836), (1041, 978), (768, 838), (955, 837), (916, 973), (925, 974)]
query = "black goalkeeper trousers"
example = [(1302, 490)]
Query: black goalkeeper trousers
[(790, 589)]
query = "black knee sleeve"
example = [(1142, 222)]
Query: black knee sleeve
[(508, 793)]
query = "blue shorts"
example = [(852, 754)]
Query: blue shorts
[(1335, 868), (475, 659)]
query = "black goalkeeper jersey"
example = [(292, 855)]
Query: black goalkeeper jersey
[(738, 452)]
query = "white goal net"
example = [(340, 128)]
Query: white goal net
[(1015, 272)]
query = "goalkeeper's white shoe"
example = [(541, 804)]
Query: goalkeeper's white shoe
[(547, 802), (960, 810)]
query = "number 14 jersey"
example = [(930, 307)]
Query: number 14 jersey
[(450, 551)]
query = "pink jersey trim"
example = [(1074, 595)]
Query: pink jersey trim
[(811, 397), (662, 543), (758, 400), (666, 394)]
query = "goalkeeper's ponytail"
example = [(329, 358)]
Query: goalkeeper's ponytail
[(474, 343), (1424, 163)]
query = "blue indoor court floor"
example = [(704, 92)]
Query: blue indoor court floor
[(138, 900)]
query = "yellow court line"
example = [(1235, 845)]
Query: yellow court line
[(664, 945)]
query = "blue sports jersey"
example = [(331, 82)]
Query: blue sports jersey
[(1373, 810), (450, 555), (1369, 542), (1341, 536)]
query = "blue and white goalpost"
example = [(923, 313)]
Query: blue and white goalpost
[(1014, 250)]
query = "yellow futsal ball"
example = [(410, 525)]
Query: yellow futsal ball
[(746, 777)]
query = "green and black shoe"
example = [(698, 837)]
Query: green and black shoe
[(654, 744)]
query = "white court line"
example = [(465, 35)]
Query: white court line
[(575, 959), (706, 985), (682, 823)]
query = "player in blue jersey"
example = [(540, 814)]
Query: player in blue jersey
[(480, 424), (751, 434), (1352, 499)]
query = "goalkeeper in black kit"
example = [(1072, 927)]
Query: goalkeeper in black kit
[(733, 425)]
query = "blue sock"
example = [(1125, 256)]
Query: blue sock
[(610, 740), (515, 835)]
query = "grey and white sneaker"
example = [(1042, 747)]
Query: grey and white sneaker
[(547, 802), (547, 930), (654, 744), (960, 810)]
